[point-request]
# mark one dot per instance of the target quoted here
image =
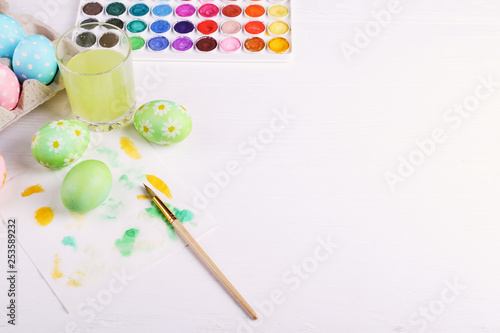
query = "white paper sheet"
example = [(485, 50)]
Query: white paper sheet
[(95, 262)]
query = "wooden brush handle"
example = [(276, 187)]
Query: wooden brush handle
[(186, 236)]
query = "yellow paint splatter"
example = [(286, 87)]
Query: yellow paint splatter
[(32, 190), (56, 273), (73, 283), (141, 196), (78, 224), (129, 148), (77, 280), (44, 215), (4, 176), (159, 185), (77, 216)]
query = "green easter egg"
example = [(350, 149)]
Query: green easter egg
[(60, 143), (163, 122), (86, 186)]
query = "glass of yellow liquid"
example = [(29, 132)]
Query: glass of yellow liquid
[(96, 65)]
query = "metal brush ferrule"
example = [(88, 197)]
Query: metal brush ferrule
[(164, 209)]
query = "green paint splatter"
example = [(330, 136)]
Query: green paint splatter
[(183, 216), (155, 212), (126, 182), (112, 155), (129, 174), (137, 174), (126, 243), (112, 208), (69, 241), (114, 162)]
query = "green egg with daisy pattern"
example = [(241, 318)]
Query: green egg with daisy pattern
[(60, 143), (163, 122)]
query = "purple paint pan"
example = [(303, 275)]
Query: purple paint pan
[(182, 44)]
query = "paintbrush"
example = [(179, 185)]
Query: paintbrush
[(186, 236)]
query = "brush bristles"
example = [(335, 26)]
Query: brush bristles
[(150, 191)]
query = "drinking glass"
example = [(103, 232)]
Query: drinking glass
[(96, 65)]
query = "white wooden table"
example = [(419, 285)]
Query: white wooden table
[(420, 255)]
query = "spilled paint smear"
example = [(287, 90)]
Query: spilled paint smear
[(159, 185), (112, 156), (111, 208), (44, 215), (125, 181), (76, 280), (182, 215), (55, 272), (77, 216), (32, 190), (113, 161), (126, 244), (73, 283), (142, 196), (137, 174), (70, 241), (155, 212), (129, 148)]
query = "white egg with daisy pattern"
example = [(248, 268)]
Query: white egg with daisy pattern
[(60, 143), (163, 122)]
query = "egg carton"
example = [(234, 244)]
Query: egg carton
[(33, 93)]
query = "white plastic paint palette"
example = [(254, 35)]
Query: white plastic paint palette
[(197, 30)]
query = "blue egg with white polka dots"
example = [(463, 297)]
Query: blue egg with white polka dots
[(35, 58), (11, 33)]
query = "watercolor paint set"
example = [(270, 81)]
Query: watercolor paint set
[(192, 30)]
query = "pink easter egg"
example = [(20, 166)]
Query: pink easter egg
[(3, 171), (9, 89)]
